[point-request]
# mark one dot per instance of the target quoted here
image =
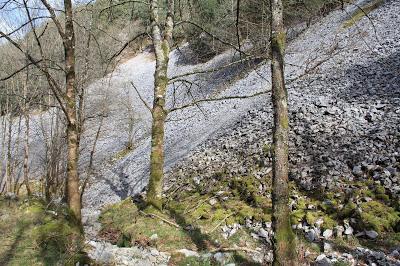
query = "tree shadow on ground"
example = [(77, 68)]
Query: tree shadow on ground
[(378, 80), (11, 252)]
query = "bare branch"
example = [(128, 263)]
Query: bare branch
[(122, 3), (126, 45), (19, 70), (54, 18), (218, 99), (212, 35), (24, 24), (140, 97), (215, 69)]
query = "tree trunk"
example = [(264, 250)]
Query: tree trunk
[(73, 195), (9, 143), (284, 244), (162, 49), (26, 143)]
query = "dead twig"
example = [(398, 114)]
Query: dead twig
[(235, 249), (219, 224), (161, 218)]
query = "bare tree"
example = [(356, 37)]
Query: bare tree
[(67, 99), (284, 244), (162, 44)]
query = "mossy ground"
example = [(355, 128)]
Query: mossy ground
[(33, 233), (199, 212), (367, 206)]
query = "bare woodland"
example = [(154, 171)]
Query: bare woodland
[(64, 130)]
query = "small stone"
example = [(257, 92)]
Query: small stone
[(395, 254), (212, 202), (371, 234), (319, 222), (154, 237), (254, 235), (310, 235), (307, 253), (154, 252), (327, 233), (188, 253), (327, 247), (263, 233), (349, 230), (357, 171), (219, 257), (322, 260)]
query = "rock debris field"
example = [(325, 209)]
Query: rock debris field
[(344, 101)]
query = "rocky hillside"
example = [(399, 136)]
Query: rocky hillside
[(343, 78)]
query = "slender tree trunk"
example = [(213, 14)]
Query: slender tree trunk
[(284, 244), (9, 143), (26, 143), (3, 149), (73, 195), (162, 49)]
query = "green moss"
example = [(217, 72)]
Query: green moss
[(202, 212), (341, 263), (328, 223), (348, 210), (119, 215), (311, 217), (378, 216), (297, 216), (301, 204), (380, 194), (35, 233), (181, 260)]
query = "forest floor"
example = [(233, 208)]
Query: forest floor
[(35, 233)]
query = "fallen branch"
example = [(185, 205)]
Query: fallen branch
[(219, 224), (159, 217), (234, 249)]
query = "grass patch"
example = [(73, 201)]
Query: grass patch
[(35, 235)]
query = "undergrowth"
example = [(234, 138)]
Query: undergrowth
[(34, 233)]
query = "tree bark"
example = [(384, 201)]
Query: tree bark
[(27, 129), (162, 49), (73, 195), (9, 143), (284, 242)]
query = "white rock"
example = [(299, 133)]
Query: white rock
[(188, 253), (327, 233), (327, 247), (212, 201), (371, 234), (154, 237), (322, 260), (349, 230)]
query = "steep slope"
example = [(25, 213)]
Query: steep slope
[(344, 91), (331, 54)]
